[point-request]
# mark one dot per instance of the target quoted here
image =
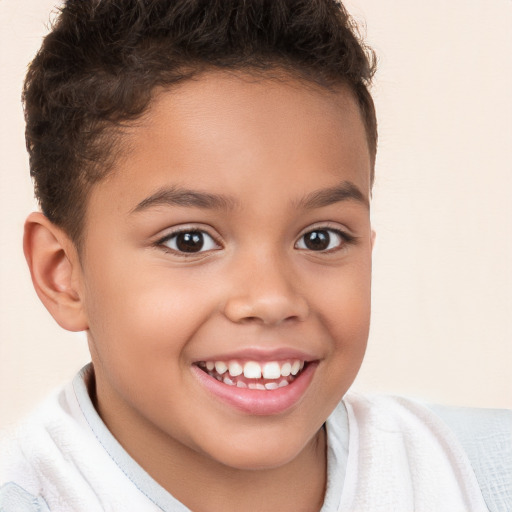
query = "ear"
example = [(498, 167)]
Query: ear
[(55, 270), (373, 238)]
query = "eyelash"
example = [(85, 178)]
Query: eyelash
[(344, 239), (191, 231)]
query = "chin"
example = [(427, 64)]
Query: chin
[(258, 461), (261, 454)]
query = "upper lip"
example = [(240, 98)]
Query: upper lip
[(261, 354)]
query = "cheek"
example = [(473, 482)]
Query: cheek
[(345, 304), (140, 333), (146, 313)]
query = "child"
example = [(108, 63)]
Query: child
[(204, 171)]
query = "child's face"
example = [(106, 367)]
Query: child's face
[(266, 185)]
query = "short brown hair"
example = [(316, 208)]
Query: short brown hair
[(102, 60)]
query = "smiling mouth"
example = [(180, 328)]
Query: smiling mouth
[(269, 375)]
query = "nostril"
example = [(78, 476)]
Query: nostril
[(251, 319)]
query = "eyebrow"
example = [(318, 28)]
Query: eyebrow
[(176, 196), (327, 196)]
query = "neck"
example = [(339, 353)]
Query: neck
[(296, 486)]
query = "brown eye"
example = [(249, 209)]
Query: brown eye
[(321, 240), (190, 242), (317, 240)]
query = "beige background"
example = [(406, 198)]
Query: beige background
[(442, 322)]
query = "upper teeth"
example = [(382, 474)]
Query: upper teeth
[(256, 370), (252, 370), (221, 367), (235, 369)]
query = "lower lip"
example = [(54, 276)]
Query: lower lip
[(255, 401)]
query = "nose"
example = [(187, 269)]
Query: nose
[(266, 293)]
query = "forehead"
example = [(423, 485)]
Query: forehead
[(236, 133)]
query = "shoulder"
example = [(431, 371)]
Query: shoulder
[(483, 437), (21, 454), (41, 457), (56, 458), (486, 437), (25, 450)]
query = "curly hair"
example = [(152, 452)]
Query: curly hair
[(102, 60)]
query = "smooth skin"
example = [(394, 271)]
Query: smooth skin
[(258, 167)]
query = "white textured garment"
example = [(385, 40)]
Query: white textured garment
[(56, 457), (401, 458)]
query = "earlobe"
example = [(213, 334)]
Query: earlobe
[(55, 269)]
